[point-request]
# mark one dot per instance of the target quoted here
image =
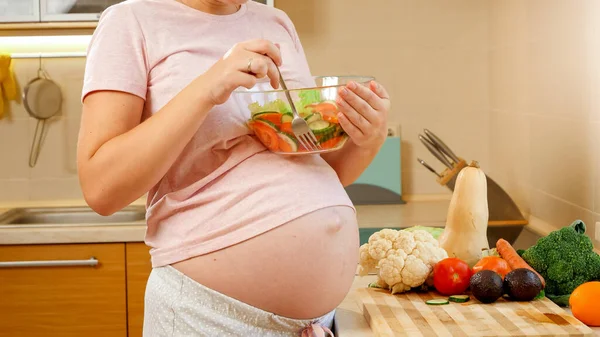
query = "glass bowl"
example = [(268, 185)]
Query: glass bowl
[(270, 114)]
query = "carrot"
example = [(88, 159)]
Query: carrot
[(328, 111), (511, 256), (287, 128), (331, 118), (330, 144)]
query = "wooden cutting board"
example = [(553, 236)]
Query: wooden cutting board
[(408, 315)]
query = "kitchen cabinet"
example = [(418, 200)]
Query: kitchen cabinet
[(138, 270), (60, 10), (19, 11), (73, 10), (63, 290), (73, 289), (52, 10)]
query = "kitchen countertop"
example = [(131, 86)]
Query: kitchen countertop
[(425, 213)]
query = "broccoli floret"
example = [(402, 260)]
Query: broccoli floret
[(568, 287), (592, 264), (565, 258), (560, 271)]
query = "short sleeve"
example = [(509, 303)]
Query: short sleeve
[(116, 55)]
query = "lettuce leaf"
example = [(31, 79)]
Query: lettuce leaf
[(308, 97), (277, 105)]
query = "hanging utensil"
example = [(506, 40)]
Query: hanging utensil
[(441, 145), (435, 152), (428, 167), (42, 99)]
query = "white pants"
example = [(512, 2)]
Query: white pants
[(176, 305)]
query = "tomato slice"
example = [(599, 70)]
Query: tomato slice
[(266, 135)]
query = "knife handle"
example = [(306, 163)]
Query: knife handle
[(435, 152), (441, 145), (428, 167)]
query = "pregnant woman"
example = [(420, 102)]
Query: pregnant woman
[(244, 242)]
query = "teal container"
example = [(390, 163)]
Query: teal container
[(381, 182)]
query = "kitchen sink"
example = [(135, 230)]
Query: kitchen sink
[(70, 216)]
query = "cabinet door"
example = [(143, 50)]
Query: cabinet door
[(138, 270), (19, 10), (74, 10), (67, 290)]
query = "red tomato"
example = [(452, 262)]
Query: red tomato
[(451, 276)]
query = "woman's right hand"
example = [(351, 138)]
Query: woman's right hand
[(242, 66)]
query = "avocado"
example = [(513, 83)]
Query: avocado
[(486, 286), (522, 284)]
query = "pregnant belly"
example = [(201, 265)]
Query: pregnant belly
[(301, 270)]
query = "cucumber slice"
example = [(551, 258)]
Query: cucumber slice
[(287, 118), (459, 298), (336, 131), (265, 113), (288, 140), (321, 127), (273, 117), (267, 123), (437, 302), (313, 117)]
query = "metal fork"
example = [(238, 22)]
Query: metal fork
[(299, 126)]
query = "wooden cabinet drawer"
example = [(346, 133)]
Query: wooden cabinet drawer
[(138, 270), (63, 294)]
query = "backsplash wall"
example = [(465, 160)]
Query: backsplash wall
[(55, 174), (545, 106), (431, 55)]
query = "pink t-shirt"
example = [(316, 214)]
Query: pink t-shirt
[(225, 187)]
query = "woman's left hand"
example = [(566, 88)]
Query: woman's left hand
[(363, 113)]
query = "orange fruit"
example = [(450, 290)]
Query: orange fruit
[(585, 303)]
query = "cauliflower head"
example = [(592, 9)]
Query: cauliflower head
[(390, 267), (404, 259), (367, 263), (382, 241)]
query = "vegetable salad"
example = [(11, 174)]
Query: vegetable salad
[(272, 123)]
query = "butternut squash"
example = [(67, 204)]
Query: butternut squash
[(465, 235)]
